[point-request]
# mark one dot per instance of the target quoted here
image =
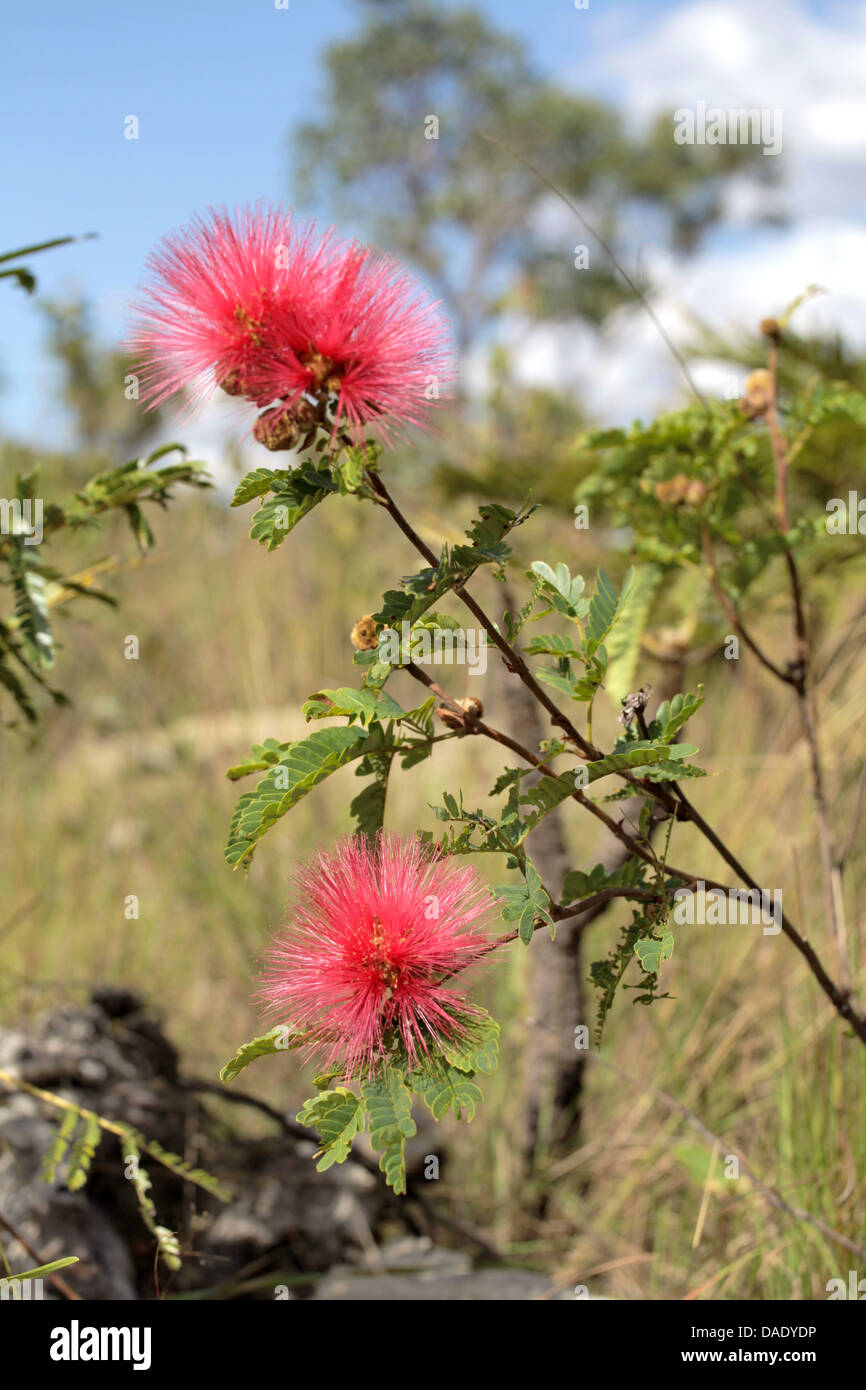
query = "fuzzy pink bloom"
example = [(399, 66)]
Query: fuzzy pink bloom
[(376, 930), (207, 306), (369, 335), (276, 311)]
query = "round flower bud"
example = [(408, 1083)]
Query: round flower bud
[(232, 383), (364, 637), (472, 708), (276, 429), (757, 393)]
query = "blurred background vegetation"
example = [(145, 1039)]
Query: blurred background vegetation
[(125, 793)]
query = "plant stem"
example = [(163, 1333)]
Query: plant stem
[(838, 995), (799, 678)]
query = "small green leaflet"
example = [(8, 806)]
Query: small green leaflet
[(525, 903), (390, 1107), (604, 609), (259, 482), (294, 494), (305, 763), (31, 609), (651, 951), (447, 1088), (338, 1115)]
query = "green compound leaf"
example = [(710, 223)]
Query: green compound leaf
[(294, 495), (338, 1115), (561, 590), (579, 884), (624, 645), (167, 1242), (672, 714), (83, 1152), (444, 1088), (31, 609), (389, 1103), (605, 608), (639, 754), (552, 644), (651, 951), (479, 1050), (364, 705), (56, 1151), (41, 1270), (279, 1039), (303, 765)]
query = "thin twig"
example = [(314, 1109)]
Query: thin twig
[(513, 660), (800, 673), (57, 1280), (731, 612)]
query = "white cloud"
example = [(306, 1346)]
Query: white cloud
[(780, 55), (733, 54)]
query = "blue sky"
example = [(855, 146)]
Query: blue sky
[(217, 85)]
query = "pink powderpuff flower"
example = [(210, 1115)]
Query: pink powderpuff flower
[(377, 929), (280, 313), (369, 339), (202, 314)]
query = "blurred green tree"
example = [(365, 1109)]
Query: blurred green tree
[(397, 146)]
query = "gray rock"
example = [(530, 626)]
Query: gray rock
[(413, 1269)]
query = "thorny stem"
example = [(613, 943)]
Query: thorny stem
[(838, 995), (797, 675), (616, 828)]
